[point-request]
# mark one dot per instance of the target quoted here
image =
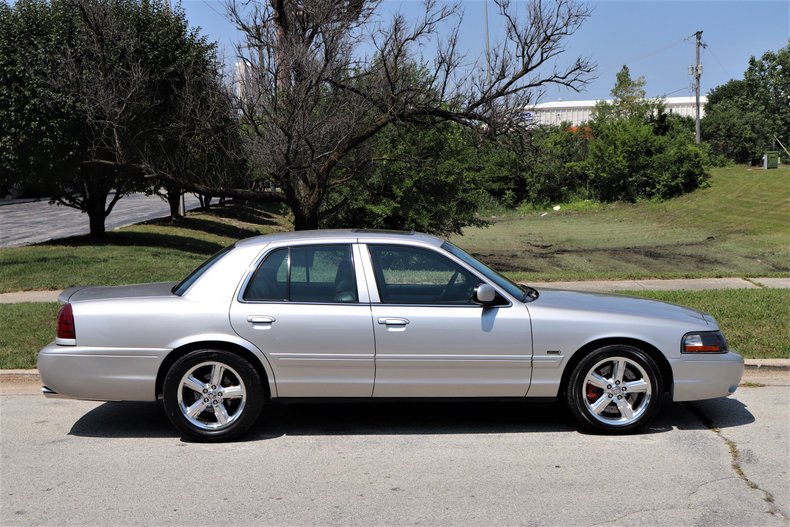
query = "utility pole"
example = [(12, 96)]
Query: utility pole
[(488, 51), (697, 75)]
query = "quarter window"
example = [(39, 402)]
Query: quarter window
[(313, 273), (413, 275)]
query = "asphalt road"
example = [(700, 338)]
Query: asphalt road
[(29, 222), (722, 462)]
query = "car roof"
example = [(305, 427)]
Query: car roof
[(342, 236)]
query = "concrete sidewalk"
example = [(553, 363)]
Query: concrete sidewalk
[(688, 284), (598, 286)]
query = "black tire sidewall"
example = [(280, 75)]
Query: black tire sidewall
[(252, 383), (575, 392)]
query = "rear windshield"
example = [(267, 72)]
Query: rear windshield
[(187, 282)]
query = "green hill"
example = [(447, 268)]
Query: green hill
[(739, 225)]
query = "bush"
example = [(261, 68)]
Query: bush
[(636, 158)]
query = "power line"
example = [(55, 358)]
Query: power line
[(684, 88), (649, 54), (718, 61)]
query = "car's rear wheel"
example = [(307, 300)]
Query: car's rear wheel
[(615, 389), (212, 395)]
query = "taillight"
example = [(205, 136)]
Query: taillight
[(66, 323), (705, 342)]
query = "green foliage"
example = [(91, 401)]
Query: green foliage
[(552, 172), (632, 159), (628, 99), (743, 117), (413, 178), (638, 151), (87, 84), (632, 149), (38, 126)]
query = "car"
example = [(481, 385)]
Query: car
[(365, 314)]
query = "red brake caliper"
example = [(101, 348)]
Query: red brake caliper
[(593, 393)]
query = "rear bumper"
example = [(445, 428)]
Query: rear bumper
[(100, 374), (706, 377)]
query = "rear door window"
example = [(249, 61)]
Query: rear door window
[(305, 273)]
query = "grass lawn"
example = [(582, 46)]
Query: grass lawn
[(154, 251), (25, 329), (754, 320), (738, 226)]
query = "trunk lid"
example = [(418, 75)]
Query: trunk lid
[(81, 294)]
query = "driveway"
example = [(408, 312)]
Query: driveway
[(29, 222), (722, 462)]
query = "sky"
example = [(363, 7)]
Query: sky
[(650, 37)]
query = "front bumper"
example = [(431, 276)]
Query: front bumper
[(698, 377), (99, 374)]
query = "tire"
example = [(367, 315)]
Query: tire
[(212, 395), (625, 376)]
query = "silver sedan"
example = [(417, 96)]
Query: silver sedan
[(373, 315)]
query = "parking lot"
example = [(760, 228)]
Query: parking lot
[(721, 462)]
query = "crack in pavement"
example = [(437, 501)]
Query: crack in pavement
[(717, 480), (735, 463), (642, 511)]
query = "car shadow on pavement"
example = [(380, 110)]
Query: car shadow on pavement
[(404, 418)]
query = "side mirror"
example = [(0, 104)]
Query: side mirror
[(484, 295)]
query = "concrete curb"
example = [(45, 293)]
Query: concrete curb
[(751, 365)]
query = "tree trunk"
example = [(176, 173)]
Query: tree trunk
[(95, 209), (174, 201), (305, 218)]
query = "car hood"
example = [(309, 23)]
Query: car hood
[(80, 294), (618, 305)]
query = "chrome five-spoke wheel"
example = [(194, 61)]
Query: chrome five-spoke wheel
[(212, 395), (615, 389)]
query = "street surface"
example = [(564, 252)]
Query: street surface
[(721, 462), (37, 221)]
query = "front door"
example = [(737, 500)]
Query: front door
[(433, 341), (302, 309)]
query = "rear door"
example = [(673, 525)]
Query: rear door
[(304, 309)]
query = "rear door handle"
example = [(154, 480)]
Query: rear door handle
[(393, 321), (263, 319)]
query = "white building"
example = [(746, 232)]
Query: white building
[(577, 112)]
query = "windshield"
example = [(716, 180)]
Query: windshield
[(505, 283), (187, 282)]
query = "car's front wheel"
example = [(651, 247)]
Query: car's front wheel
[(615, 389), (212, 395)]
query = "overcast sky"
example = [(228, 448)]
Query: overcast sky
[(649, 36)]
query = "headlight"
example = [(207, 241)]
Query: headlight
[(704, 342)]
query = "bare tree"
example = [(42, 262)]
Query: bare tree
[(309, 95), (199, 148)]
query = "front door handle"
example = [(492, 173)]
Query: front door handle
[(393, 321), (263, 319)]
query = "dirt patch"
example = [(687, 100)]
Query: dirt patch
[(542, 257)]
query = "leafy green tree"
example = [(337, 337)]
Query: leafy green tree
[(744, 118), (87, 84), (637, 151), (411, 177), (551, 164), (628, 98)]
